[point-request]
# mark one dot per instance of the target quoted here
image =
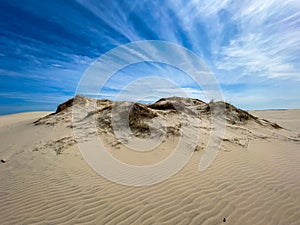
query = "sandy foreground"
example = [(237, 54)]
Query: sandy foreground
[(45, 179)]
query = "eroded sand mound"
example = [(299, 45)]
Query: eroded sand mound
[(173, 112), (138, 114)]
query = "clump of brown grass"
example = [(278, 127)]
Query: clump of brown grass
[(162, 106), (138, 115)]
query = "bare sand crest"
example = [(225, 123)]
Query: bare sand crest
[(255, 178)]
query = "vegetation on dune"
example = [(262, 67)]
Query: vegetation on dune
[(139, 114)]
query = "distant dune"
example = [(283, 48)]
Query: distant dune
[(254, 179)]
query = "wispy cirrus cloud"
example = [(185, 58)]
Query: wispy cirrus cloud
[(253, 37), (267, 43), (256, 54), (251, 46)]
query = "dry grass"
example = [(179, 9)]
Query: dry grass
[(138, 115)]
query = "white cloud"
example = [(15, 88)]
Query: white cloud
[(267, 44), (256, 54), (266, 41)]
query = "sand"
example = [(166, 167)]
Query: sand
[(255, 178)]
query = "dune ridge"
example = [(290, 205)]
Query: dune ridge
[(138, 116)]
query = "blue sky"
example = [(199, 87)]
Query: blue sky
[(252, 47)]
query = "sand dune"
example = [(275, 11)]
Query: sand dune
[(255, 178)]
